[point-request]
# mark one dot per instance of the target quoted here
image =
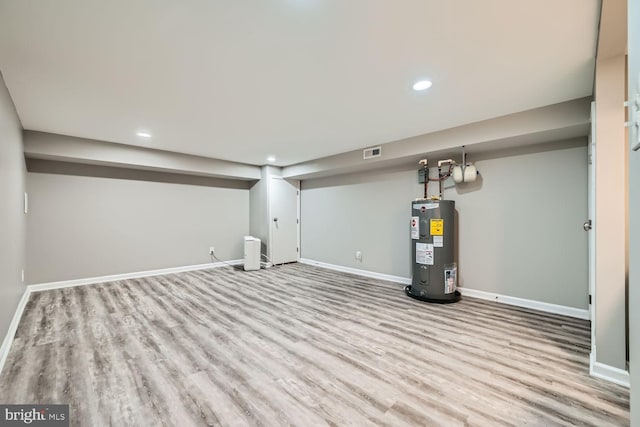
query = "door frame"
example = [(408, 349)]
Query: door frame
[(591, 200), (296, 184)]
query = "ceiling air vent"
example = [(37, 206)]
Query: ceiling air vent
[(370, 153)]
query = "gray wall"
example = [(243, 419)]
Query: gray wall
[(519, 226), (610, 216), (259, 221), (634, 217), (259, 216), (86, 226), (12, 217)]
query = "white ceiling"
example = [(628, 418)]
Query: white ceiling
[(299, 79)]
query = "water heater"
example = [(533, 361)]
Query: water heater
[(435, 274)]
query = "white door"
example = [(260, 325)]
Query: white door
[(284, 199), (589, 227)]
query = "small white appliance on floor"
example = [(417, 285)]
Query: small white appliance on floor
[(251, 253)]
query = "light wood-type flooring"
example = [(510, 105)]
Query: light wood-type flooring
[(300, 345)]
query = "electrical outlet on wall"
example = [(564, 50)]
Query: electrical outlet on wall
[(212, 250), (359, 256), (22, 275)]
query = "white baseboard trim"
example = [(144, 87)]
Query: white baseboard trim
[(365, 273), (134, 275), (13, 327), (527, 303), (609, 373), (505, 299)]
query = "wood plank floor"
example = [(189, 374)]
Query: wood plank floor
[(299, 345)]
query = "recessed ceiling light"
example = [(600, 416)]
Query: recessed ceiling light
[(144, 134), (271, 159), (422, 85)]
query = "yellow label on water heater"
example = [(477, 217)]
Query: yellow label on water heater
[(437, 227)]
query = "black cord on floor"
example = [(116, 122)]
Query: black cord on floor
[(240, 267), (235, 267)]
